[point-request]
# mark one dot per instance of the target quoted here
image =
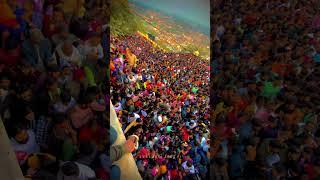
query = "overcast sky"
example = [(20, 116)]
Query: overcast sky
[(195, 12)]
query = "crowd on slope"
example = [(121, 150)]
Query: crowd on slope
[(163, 99), (265, 85), (53, 86)]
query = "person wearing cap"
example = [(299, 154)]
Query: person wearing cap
[(37, 50)]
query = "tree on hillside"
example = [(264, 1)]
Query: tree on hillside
[(122, 20)]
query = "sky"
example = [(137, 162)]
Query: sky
[(194, 12)]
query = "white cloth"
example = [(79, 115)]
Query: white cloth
[(59, 107), (139, 77), (187, 169), (88, 49), (132, 79), (144, 113), (119, 107), (85, 173), (75, 57), (135, 117), (29, 147), (203, 141)]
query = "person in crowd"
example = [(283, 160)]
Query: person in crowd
[(54, 116), (37, 50), (24, 142), (67, 55), (63, 35), (74, 170), (264, 73), (168, 111)]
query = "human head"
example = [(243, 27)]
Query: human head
[(63, 30), (70, 169), (67, 47), (20, 134), (95, 39), (4, 82), (36, 36), (25, 93)]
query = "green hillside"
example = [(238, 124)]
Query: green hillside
[(122, 20)]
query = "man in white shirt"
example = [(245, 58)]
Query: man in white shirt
[(67, 54), (118, 106), (133, 117), (139, 77), (75, 171), (24, 142), (92, 48), (188, 167), (160, 118), (131, 79)]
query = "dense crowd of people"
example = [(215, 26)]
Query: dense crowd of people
[(265, 85), (53, 69), (163, 98)]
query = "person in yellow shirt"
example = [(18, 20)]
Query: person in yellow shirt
[(131, 58), (163, 169)]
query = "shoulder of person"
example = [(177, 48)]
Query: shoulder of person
[(26, 44), (31, 133), (86, 171), (46, 42)]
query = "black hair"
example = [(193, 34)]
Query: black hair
[(50, 82), (70, 169), (220, 161), (275, 144), (16, 129), (86, 148), (279, 168), (22, 88), (138, 120), (58, 119)]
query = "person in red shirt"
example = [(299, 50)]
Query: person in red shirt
[(92, 132), (173, 173), (138, 104), (185, 134)]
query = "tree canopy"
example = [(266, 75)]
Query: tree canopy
[(122, 20)]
